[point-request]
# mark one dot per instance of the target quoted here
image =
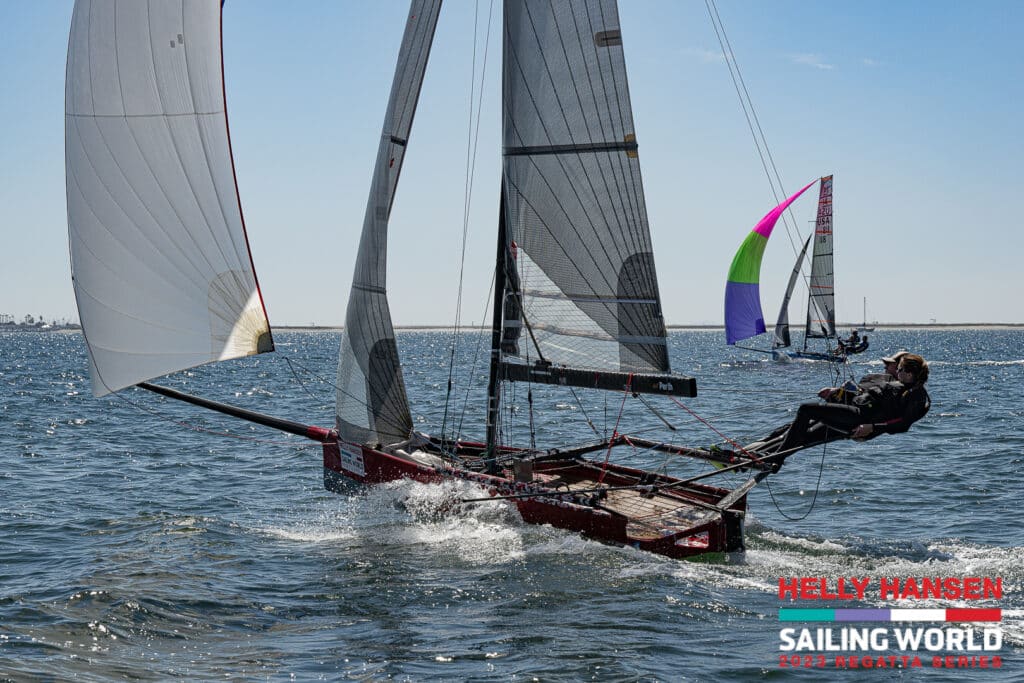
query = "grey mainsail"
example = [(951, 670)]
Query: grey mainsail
[(821, 308), (780, 337), (371, 400), (575, 265), (160, 260), (577, 230)]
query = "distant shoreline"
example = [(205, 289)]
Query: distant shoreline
[(695, 328), (691, 328)]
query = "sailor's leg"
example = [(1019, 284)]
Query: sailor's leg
[(798, 429), (834, 415), (770, 443), (819, 433)]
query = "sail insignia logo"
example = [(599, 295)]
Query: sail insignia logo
[(902, 636)]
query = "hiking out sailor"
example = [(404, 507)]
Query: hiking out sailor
[(844, 393), (879, 406)]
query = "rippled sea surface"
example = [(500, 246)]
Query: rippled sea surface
[(144, 539)]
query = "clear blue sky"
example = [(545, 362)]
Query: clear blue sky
[(916, 107)]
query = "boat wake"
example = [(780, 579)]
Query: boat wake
[(479, 534), (324, 530)]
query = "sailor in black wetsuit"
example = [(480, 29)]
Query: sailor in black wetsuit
[(846, 392), (878, 406)]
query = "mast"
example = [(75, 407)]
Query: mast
[(497, 328)]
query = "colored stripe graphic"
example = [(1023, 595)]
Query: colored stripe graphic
[(969, 614)]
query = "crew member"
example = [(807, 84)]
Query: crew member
[(877, 407)]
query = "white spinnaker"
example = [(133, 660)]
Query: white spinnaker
[(159, 256)]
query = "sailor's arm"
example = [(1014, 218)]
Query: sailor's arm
[(913, 410)]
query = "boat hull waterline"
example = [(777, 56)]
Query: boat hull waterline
[(683, 521)]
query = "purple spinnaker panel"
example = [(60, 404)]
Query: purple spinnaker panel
[(744, 318)]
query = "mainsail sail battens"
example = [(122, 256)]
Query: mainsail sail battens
[(369, 288), (626, 146), (588, 334), (639, 383), (575, 213), (579, 298), (608, 38)]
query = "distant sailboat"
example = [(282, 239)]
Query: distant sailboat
[(864, 325), (164, 279), (821, 299), (743, 317)]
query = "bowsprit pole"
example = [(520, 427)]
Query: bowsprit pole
[(319, 434)]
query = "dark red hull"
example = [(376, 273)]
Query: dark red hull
[(681, 521)]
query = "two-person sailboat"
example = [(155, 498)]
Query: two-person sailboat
[(164, 278), (743, 316)]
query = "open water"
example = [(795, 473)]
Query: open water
[(146, 540)]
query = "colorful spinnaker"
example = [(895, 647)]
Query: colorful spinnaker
[(743, 316)]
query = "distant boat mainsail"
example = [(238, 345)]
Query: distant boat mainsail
[(864, 325), (780, 338), (159, 256), (821, 306), (743, 316)]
